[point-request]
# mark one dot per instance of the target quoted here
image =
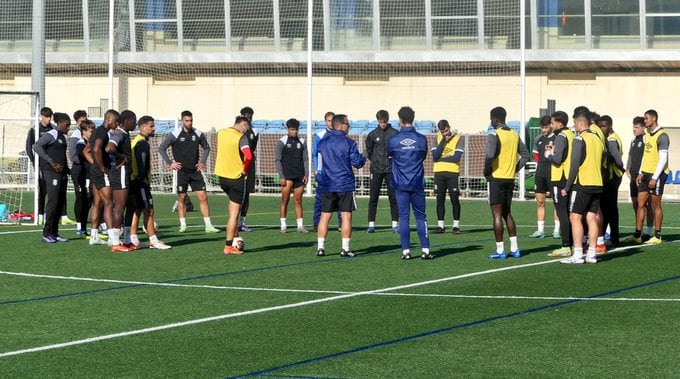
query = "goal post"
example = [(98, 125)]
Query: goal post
[(18, 114)]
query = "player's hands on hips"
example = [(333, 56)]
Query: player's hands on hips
[(176, 166), (283, 182), (305, 180), (652, 183), (200, 166)]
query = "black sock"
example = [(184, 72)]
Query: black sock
[(657, 234), (638, 233)]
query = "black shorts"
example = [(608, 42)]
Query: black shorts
[(193, 179), (342, 201), (141, 195), (297, 182), (120, 178), (633, 187), (660, 184), (541, 184), (500, 192), (583, 202), (99, 180), (250, 180), (444, 180), (234, 188)]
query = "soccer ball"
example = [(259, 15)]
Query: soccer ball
[(239, 243)]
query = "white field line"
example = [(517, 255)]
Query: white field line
[(260, 310), (293, 290), (275, 308)]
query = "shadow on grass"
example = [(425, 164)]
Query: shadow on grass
[(285, 246), (444, 251)]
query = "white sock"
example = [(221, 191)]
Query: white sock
[(456, 223), (557, 227), (134, 239), (64, 217), (440, 223), (126, 235), (541, 226), (114, 236), (300, 223), (78, 225), (345, 244), (321, 243), (609, 230), (578, 253), (153, 239), (41, 218), (406, 251), (94, 234), (425, 250), (591, 252), (513, 244), (499, 247), (182, 222), (283, 222), (600, 240), (371, 224), (207, 221), (395, 224)]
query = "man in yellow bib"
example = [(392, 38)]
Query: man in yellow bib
[(585, 182), (652, 177), (231, 166), (503, 147)]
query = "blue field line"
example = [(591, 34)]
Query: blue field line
[(451, 328), (268, 268)]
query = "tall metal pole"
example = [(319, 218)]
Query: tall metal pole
[(522, 83), (111, 44), (310, 140), (37, 82)]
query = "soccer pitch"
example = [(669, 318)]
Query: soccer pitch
[(74, 310)]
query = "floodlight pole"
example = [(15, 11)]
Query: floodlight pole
[(111, 44), (522, 84), (310, 140), (37, 84)]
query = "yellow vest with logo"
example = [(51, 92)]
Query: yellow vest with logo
[(650, 157), (612, 169), (135, 167), (505, 164), (229, 163), (561, 171), (590, 171), (449, 151)]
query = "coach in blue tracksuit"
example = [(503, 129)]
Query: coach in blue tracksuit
[(328, 119), (408, 150), (337, 155)]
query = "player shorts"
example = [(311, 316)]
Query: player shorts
[(541, 184), (120, 178), (250, 180), (297, 182), (193, 179), (583, 202), (234, 188), (141, 195), (500, 192), (633, 187), (444, 180), (660, 184), (99, 180), (342, 201)]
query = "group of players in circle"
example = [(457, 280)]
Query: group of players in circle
[(581, 169)]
